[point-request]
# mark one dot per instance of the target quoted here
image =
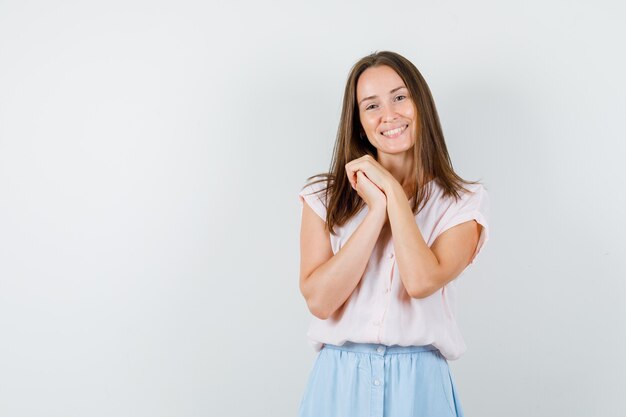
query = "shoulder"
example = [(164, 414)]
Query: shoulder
[(471, 193), (472, 201), (472, 204), (476, 192), (314, 193), (313, 187), (314, 190)]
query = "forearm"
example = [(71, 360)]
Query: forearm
[(417, 264), (330, 285)]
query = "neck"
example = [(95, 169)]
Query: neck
[(402, 167)]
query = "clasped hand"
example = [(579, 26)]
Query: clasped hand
[(370, 180)]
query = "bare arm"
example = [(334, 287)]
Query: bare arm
[(327, 279), (422, 269), (425, 270)]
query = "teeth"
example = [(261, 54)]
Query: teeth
[(394, 131)]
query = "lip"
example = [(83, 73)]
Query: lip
[(397, 134)]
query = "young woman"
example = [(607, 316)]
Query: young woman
[(384, 234)]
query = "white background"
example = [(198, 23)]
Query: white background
[(151, 154)]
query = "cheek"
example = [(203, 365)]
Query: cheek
[(367, 123), (409, 110)]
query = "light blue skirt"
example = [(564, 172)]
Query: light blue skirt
[(372, 380)]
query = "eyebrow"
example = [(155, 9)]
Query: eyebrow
[(391, 92)]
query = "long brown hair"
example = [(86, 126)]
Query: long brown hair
[(430, 152)]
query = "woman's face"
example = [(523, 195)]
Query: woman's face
[(386, 111)]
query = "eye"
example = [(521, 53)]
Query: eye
[(370, 106), (401, 95)]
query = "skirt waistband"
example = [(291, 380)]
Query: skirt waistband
[(378, 348)]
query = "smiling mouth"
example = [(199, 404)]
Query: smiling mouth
[(394, 133)]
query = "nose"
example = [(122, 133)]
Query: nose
[(389, 114)]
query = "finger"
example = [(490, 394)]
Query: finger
[(363, 175), (354, 178), (349, 174), (360, 175), (364, 166), (351, 169)]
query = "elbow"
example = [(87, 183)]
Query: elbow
[(422, 291), (314, 305), (418, 295), (317, 309), (320, 314)]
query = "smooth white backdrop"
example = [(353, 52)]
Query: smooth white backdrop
[(151, 153)]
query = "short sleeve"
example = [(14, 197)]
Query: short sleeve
[(471, 206), (314, 195)]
